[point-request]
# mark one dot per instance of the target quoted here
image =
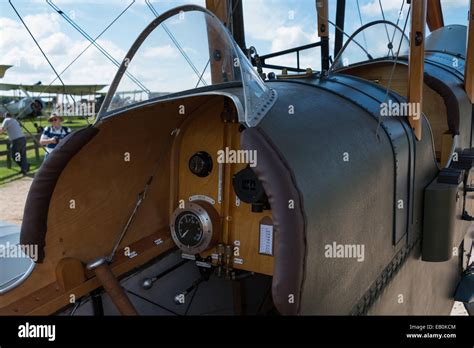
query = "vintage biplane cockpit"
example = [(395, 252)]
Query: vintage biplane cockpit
[(273, 194)]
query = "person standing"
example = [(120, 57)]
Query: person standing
[(17, 141), (53, 134)]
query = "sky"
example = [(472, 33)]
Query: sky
[(270, 25)]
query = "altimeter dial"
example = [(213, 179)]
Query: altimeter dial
[(194, 228)]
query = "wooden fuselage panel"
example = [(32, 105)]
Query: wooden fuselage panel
[(98, 190), (240, 226)]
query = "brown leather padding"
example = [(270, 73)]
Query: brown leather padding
[(35, 216), (288, 220)]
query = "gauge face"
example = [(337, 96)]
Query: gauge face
[(188, 228), (200, 164), (195, 227)]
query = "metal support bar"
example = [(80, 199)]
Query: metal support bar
[(291, 50), (296, 50), (339, 28)]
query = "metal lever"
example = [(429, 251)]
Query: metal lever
[(147, 283), (179, 299)]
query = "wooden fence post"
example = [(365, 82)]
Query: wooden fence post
[(9, 159), (35, 142)]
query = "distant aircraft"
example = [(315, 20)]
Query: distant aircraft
[(28, 106)]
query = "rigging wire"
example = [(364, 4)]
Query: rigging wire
[(83, 51), (39, 46), (97, 45), (400, 13), (390, 49), (361, 23), (353, 40), (389, 84), (177, 44), (90, 44), (203, 71)]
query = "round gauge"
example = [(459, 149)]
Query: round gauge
[(194, 227), (200, 164), (188, 229)]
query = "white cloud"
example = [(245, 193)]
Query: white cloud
[(270, 21), (160, 52), (29, 66), (285, 37), (373, 7)]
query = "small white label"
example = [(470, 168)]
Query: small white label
[(203, 264), (202, 198), (215, 256), (266, 240), (238, 261), (132, 254), (188, 256), (158, 241)]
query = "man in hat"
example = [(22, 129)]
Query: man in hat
[(17, 141), (53, 134)]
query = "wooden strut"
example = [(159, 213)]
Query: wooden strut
[(322, 8), (112, 287), (416, 64), (434, 17), (221, 9), (469, 67)]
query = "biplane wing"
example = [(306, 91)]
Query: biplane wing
[(54, 89), (3, 69)]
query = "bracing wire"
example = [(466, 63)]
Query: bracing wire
[(97, 45), (398, 20), (39, 46), (88, 46), (203, 71), (361, 23), (83, 51), (389, 84), (177, 44), (390, 49), (355, 41)]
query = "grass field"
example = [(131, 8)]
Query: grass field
[(13, 173)]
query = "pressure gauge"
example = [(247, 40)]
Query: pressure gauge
[(195, 228), (200, 164), (189, 229)]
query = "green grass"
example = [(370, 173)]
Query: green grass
[(7, 175)]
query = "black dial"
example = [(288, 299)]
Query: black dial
[(200, 164), (188, 229)]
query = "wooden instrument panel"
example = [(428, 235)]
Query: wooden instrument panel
[(240, 227)]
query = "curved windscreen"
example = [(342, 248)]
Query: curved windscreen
[(380, 39), (186, 49)]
